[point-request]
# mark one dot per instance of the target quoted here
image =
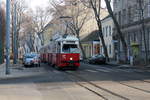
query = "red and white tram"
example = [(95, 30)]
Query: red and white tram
[(62, 52)]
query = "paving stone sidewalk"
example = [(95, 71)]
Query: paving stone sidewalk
[(18, 70), (142, 67)]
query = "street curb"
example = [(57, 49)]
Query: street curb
[(123, 66)]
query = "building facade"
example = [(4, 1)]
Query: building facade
[(107, 27), (91, 24), (91, 44), (134, 19)]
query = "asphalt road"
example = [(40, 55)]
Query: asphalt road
[(89, 82)]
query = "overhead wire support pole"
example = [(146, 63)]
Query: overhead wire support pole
[(7, 37)]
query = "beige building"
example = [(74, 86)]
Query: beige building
[(47, 33), (55, 26), (75, 8), (77, 11), (91, 24), (129, 16), (107, 27), (91, 44)]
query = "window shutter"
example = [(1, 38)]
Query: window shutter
[(149, 10)]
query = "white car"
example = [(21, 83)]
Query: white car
[(31, 60)]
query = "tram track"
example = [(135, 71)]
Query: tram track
[(82, 82), (133, 87), (78, 80)]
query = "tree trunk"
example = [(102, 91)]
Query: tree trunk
[(120, 34), (145, 42), (12, 37), (97, 12), (2, 35), (102, 39), (81, 47), (142, 19), (17, 43)]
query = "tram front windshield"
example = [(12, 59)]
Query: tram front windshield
[(70, 48)]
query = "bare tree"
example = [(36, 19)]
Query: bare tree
[(75, 18), (118, 28), (41, 19), (20, 10), (95, 5), (141, 9), (12, 27), (28, 31)]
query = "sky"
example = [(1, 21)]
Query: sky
[(34, 3), (43, 3)]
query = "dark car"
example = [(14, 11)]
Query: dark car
[(99, 59), (31, 59)]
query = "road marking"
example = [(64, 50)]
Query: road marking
[(102, 70), (124, 70), (148, 70), (139, 71), (57, 72), (113, 70), (93, 71), (110, 70)]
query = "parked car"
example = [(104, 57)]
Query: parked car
[(31, 59), (98, 59)]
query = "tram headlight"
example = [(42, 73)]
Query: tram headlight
[(71, 58)]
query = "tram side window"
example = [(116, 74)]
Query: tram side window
[(58, 48)]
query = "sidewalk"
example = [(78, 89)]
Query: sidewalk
[(18, 70), (114, 63), (124, 66)]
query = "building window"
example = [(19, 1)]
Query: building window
[(129, 15), (148, 10), (124, 16), (106, 30), (109, 49), (119, 18), (149, 38), (134, 37), (103, 31), (109, 30)]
